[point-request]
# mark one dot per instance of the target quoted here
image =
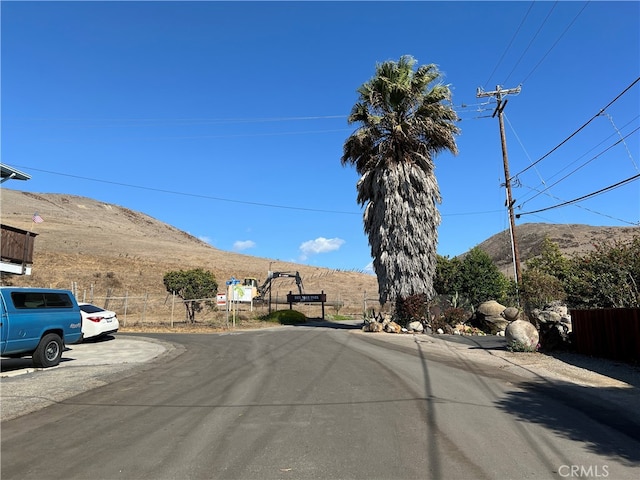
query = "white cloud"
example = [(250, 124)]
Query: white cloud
[(320, 245), (205, 239), (240, 245)]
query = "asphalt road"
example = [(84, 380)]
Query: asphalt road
[(312, 403)]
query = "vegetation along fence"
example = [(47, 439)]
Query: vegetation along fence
[(137, 309), (609, 332)]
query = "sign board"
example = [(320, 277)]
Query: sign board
[(240, 293), (307, 298), (221, 299)]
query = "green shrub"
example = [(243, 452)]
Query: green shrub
[(516, 346), (285, 317)]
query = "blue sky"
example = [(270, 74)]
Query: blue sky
[(227, 119)]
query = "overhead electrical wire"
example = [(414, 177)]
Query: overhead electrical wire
[(578, 130), (590, 210), (584, 197), (542, 181), (531, 41), (510, 43), (554, 44), (546, 192), (578, 168), (221, 199), (195, 195)]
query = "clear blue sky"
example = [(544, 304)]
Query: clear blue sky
[(227, 120)]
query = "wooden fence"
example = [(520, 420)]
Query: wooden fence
[(609, 332)]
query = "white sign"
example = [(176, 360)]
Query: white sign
[(221, 299), (240, 293)]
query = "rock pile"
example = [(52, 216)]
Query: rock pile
[(381, 323), (549, 326), (554, 324), (489, 318)]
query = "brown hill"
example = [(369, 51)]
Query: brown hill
[(571, 239), (100, 249)]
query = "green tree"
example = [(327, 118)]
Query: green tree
[(550, 260), (448, 280), (405, 118), (192, 286), (544, 278), (608, 277), (480, 278)]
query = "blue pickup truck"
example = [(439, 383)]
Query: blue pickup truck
[(38, 322)]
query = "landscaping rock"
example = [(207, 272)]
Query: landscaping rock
[(511, 314), (415, 327), (522, 335)]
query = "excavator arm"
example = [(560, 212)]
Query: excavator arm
[(266, 286)]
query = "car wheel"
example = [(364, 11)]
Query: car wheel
[(49, 351)]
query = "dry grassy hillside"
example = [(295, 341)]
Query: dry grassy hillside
[(571, 239), (101, 248)]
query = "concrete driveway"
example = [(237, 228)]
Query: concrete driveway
[(89, 365)]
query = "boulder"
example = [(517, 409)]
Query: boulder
[(372, 327), (489, 317), (548, 316), (554, 322), (510, 314), (521, 334), (392, 327), (490, 309), (415, 327)]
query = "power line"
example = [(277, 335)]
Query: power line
[(573, 162), (221, 199), (531, 41), (189, 121), (195, 195), (510, 43), (584, 197), (554, 45), (578, 168), (582, 207), (578, 130)]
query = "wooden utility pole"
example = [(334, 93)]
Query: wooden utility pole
[(499, 92)]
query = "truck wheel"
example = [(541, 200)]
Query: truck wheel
[(48, 352)]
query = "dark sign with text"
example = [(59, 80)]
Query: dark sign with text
[(307, 298)]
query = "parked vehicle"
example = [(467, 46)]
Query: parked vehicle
[(38, 322), (97, 322)]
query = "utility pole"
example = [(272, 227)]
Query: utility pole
[(499, 92)]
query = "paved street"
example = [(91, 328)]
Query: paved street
[(313, 403)]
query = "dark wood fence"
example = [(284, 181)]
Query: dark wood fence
[(17, 244), (609, 332)]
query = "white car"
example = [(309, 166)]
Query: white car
[(97, 322)]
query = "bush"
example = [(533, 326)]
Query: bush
[(516, 346), (539, 288), (285, 317), (411, 308), (455, 316)]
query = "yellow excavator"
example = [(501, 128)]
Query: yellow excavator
[(261, 292)]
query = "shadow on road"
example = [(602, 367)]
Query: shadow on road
[(318, 322), (552, 405), (10, 364), (625, 372)]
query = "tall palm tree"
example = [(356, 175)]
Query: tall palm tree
[(405, 118)]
